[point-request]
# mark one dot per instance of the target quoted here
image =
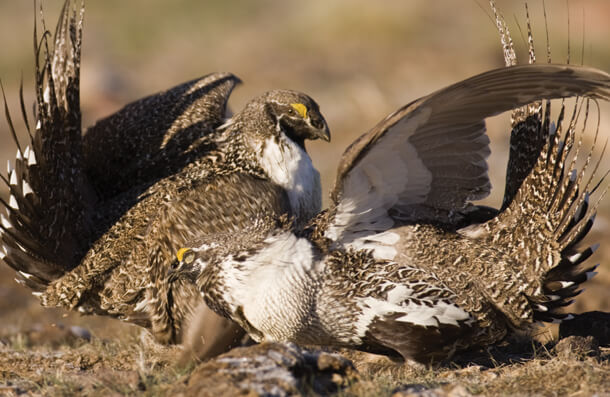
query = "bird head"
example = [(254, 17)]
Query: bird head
[(297, 115), (292, 113), (186, 265)]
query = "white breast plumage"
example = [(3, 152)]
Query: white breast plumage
[(288, 165)]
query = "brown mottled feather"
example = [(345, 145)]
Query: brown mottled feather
[(94, 222)]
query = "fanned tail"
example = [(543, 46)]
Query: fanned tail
[(44, 231), (546, 200), (551, 214)]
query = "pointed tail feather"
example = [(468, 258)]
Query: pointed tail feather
[(527, 136), (550, 215), (45, 229)]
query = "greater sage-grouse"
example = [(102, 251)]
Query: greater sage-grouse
[(401, 262), (93, 222)]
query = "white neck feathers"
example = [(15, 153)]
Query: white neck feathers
[(289, 166)]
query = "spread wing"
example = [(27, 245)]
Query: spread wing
[(427, 160), (156, 136)]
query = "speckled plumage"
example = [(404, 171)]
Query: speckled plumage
[(120, 200), (401, 262), (438, 292)]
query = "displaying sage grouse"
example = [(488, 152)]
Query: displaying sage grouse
[(398, 264), (93, 222)]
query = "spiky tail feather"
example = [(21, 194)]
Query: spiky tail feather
[(567, 209), (527, 136), (550, 215), (42, 235)]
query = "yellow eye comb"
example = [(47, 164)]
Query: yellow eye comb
[(300, 108), (181, 252)]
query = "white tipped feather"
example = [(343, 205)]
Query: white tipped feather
[(13, 180), (26, 153), (46, 95), (574, 258), (27, 189), (12, 202), (32, 159), (25, 275), (566, 318), (428, 316), (18, 155), (5, 222), (9, 167), (590, 275), (566, 284)]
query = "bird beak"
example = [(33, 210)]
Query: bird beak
[(319, 133), (172, 273), (325, 134), (182, 271)]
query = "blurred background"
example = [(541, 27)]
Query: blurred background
[(359, 59)]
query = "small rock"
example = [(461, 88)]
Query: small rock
[(415, 390), (271, 369), (595, 323), (577, 347)]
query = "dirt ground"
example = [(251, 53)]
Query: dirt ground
[(360, 60)]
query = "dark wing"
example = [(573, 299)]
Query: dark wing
[(156, 136), (427, 160)]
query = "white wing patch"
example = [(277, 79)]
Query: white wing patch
[(391, 172), (401, 300)]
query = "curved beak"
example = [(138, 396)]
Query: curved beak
[(319, 129)]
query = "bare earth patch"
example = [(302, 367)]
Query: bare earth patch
[(68, 361)]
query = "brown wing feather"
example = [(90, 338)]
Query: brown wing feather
[(431, 154), (470, 101)]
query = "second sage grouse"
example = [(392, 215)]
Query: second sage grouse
[(396, 265), (93, 221)]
